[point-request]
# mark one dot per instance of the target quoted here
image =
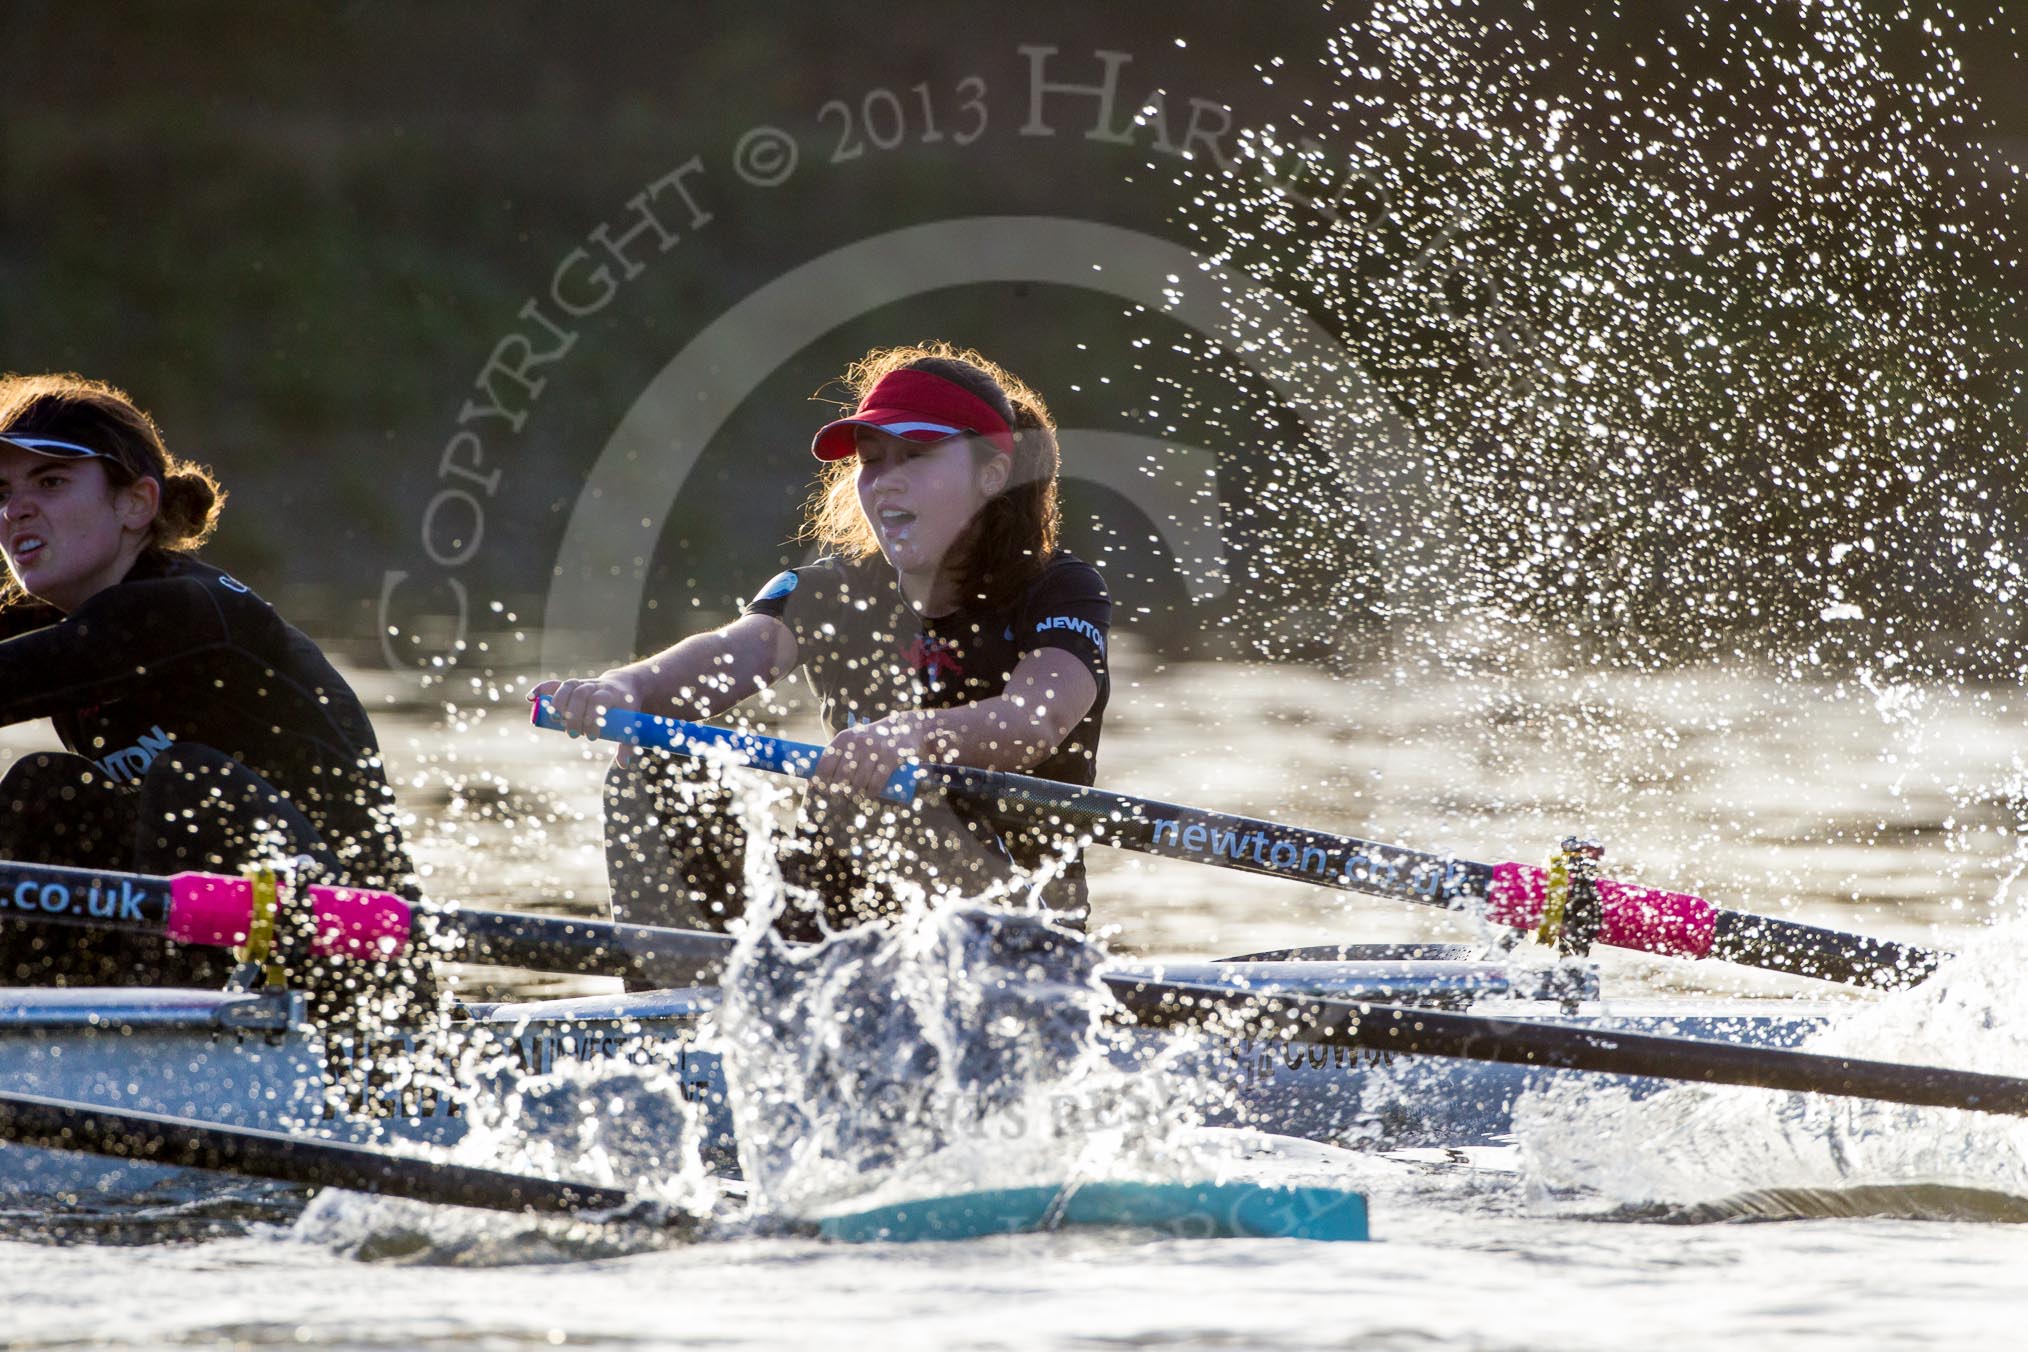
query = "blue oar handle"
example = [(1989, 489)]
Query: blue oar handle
[(1639, 918), (773, 754)]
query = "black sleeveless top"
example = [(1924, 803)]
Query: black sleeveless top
[(867, 654)]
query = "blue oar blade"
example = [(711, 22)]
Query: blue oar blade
[(1183, 1210)]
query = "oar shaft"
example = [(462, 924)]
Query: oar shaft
[(644, 955), (210, 910), (205, 909), (678, 957), (1641, 919), (45, 894), (1558, 1046), (1790, 946), (30, 1119), (1223, 840)]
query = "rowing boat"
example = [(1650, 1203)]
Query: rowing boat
[(1385, 1049), (254, 1059)]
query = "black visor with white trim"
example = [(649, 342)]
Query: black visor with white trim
[(52, 447), (57, 448)]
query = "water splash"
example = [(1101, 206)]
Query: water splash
[(1697, 323), (961, 1048), (1729, 1150), (601, 1122)]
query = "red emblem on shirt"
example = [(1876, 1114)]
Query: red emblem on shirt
[(935, 658)]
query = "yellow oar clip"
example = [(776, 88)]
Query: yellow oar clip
[(1556, 900), (260, 931)]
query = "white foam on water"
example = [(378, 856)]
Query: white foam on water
[(1584, 1144)]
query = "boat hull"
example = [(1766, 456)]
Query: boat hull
[(252, 1060)]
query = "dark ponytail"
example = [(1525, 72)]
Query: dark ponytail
[(191, 503)]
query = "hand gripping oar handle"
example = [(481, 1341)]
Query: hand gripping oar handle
[(211, 910), (1643, 919), (797, 759)]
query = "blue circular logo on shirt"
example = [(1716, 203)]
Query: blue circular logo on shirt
[(781, 586)]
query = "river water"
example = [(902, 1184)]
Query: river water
[(1888, 809)]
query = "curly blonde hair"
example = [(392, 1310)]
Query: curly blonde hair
[(1016, 532)]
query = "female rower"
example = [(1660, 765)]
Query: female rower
[(943, 625), (202, 731)]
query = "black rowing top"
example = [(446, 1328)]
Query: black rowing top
[(868, 654), (180, 651)]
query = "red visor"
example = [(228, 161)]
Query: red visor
[(920, 407)]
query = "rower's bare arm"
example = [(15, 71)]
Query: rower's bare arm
[(1017, 729), (1022, 726), (700, 676)]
